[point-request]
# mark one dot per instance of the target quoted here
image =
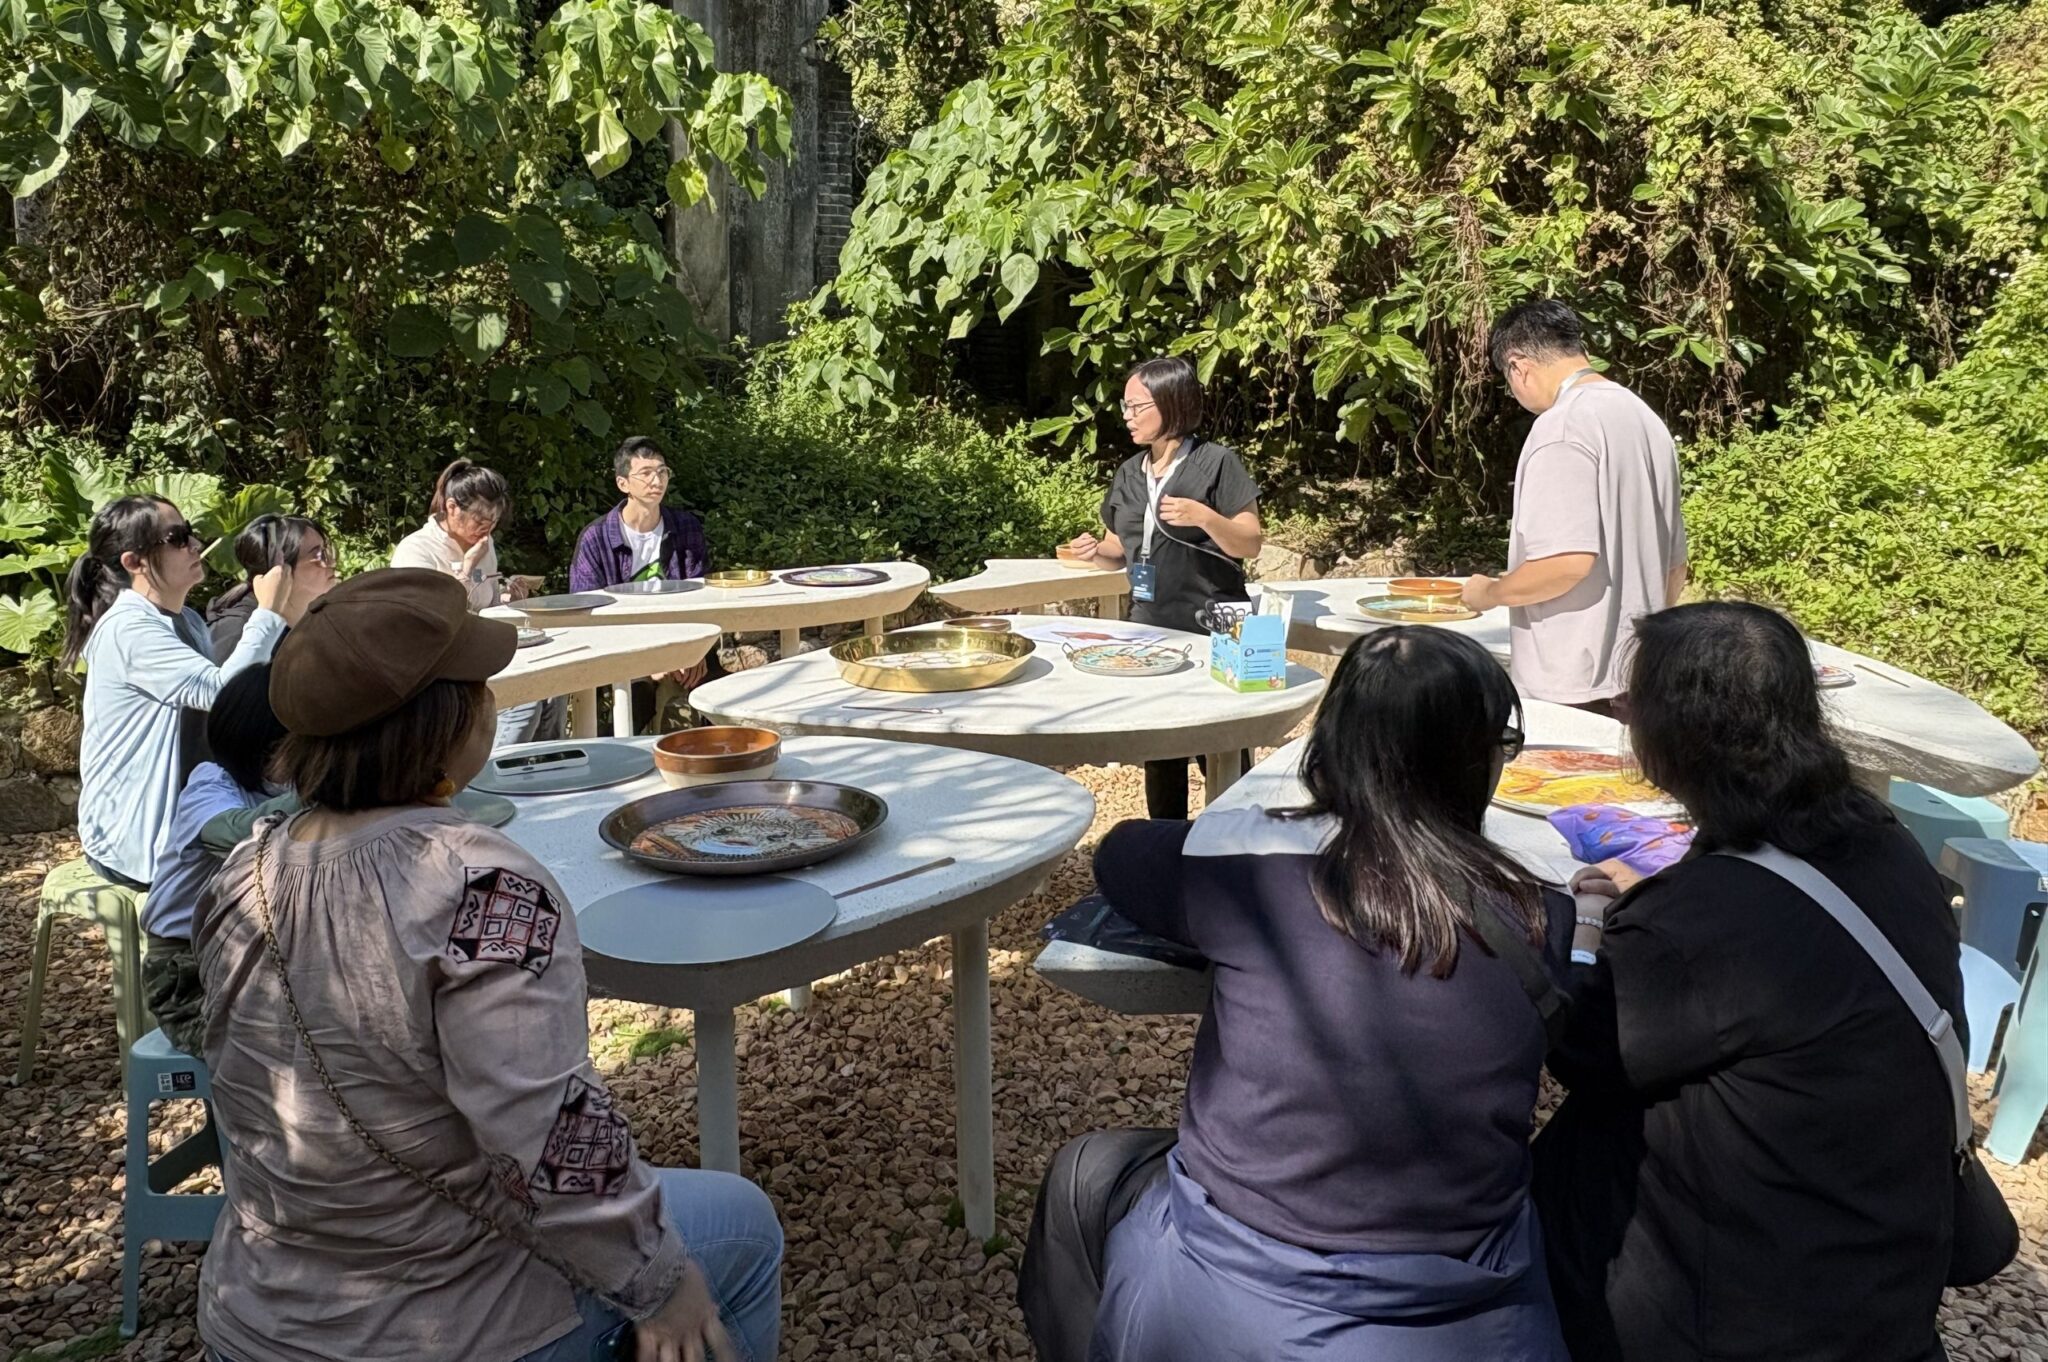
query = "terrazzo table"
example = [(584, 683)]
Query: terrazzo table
[(780, 607), (1891, 722), (577, 661), (1048, 713), (1006, 824), (1135, 986), (1031, 583)]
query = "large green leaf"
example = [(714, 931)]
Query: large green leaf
[(76, 488), (415, 331), (480, 237), (194, 494), (232, 514), (542, 286), (479, 331), (29, 621)]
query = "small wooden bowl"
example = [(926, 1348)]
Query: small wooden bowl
[(734, 581), (1427, 588), (705, 756), (1069, 559)]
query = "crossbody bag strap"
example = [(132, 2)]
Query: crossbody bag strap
[(432, 1185), (1551, 1002), (1933, 1018)]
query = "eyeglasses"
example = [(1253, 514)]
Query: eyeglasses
[(323, 554), (1511, 741), (1128, 407), (648, 476), (180, 536)]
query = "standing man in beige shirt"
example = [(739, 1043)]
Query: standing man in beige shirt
[(1598, 537)]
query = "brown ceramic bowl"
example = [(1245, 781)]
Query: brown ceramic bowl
[(1427, 588), (705, 756), (1069, 559)]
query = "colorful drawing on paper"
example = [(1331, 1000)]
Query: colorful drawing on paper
[(1544, 779)]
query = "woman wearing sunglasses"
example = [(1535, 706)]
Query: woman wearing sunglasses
[(150, 674), (1350, 1179), (287, 541)]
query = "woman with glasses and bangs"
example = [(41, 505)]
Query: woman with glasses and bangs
[(1350, 1178), (1180, 516), (287, 541), (150, 674)]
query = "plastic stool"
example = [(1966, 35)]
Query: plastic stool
[(74, 890), (160, 1072), (2003, 898), (1934, 816), (1987, 991)]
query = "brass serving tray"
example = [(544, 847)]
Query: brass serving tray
[(985, 658), (737, 580)]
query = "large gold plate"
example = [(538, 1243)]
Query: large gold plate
[(930, 660)]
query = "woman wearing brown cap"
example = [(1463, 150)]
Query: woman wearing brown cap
[(425, 1162)]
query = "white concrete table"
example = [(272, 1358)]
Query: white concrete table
[(576, 662), (1048, 713), (1006, 824), (1891, 722), (1029, 584), (778, 607), (1137, 986)]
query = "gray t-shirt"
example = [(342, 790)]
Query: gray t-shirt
[(1598, 474)]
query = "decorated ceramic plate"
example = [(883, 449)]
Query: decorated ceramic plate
[(1414, 610), (1127, 659), (743, 827), (1830, 677), (1543, 780), (929, 659), (835, 576)]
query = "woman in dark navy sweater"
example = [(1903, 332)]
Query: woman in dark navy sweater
[(1351, 1180)]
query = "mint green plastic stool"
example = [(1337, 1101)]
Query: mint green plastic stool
[(1933, 816), (74, 890), (150, 1208)]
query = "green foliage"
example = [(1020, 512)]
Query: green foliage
[(780, 481), (903, 56), (1916, 530), (1321, 205), (45, 530), (356, 238)]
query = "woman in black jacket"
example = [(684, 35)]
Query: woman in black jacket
[(1754, 1161)]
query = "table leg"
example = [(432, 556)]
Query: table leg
[(798, 999), (875, 625), (718, 1090), (1109, 607), (622, 709), (973, 1080), (583, 722), (1224, 769), (788, 641)]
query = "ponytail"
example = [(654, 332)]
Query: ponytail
[(470, 485), (130, 525)]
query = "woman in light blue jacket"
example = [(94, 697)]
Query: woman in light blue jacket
[(150, 675)]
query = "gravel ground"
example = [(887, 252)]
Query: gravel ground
[(846, 1119)]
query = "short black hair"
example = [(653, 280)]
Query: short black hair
[(242, 730), (271, 541), (1540, 329), (1176, 392), (634, 447), (1724, 713)]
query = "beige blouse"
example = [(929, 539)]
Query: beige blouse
[(430, 547), (438, 971)]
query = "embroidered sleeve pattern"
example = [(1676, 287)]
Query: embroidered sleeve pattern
[(505, 917), (589, 1150)]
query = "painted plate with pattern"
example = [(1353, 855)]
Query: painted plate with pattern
[(835, 576), (1830, 677), (1128, 659), (1414, 610), (1543, 780), (744, 827)]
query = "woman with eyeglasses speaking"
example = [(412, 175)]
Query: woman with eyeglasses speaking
[(287, 541), (1181, 514), (150, 674)]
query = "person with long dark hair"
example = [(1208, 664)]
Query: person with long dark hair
[(268, 541), (1181, 514), (470, 503), (1755, 1160), (1350, 1177), (426, 1163), (149, 674)]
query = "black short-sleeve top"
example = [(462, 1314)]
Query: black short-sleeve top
[(1192, 567)]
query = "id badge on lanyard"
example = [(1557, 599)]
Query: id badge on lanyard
[(1144, 581)]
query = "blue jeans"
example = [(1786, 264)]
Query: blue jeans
[(535, 722), (729, 1226)]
